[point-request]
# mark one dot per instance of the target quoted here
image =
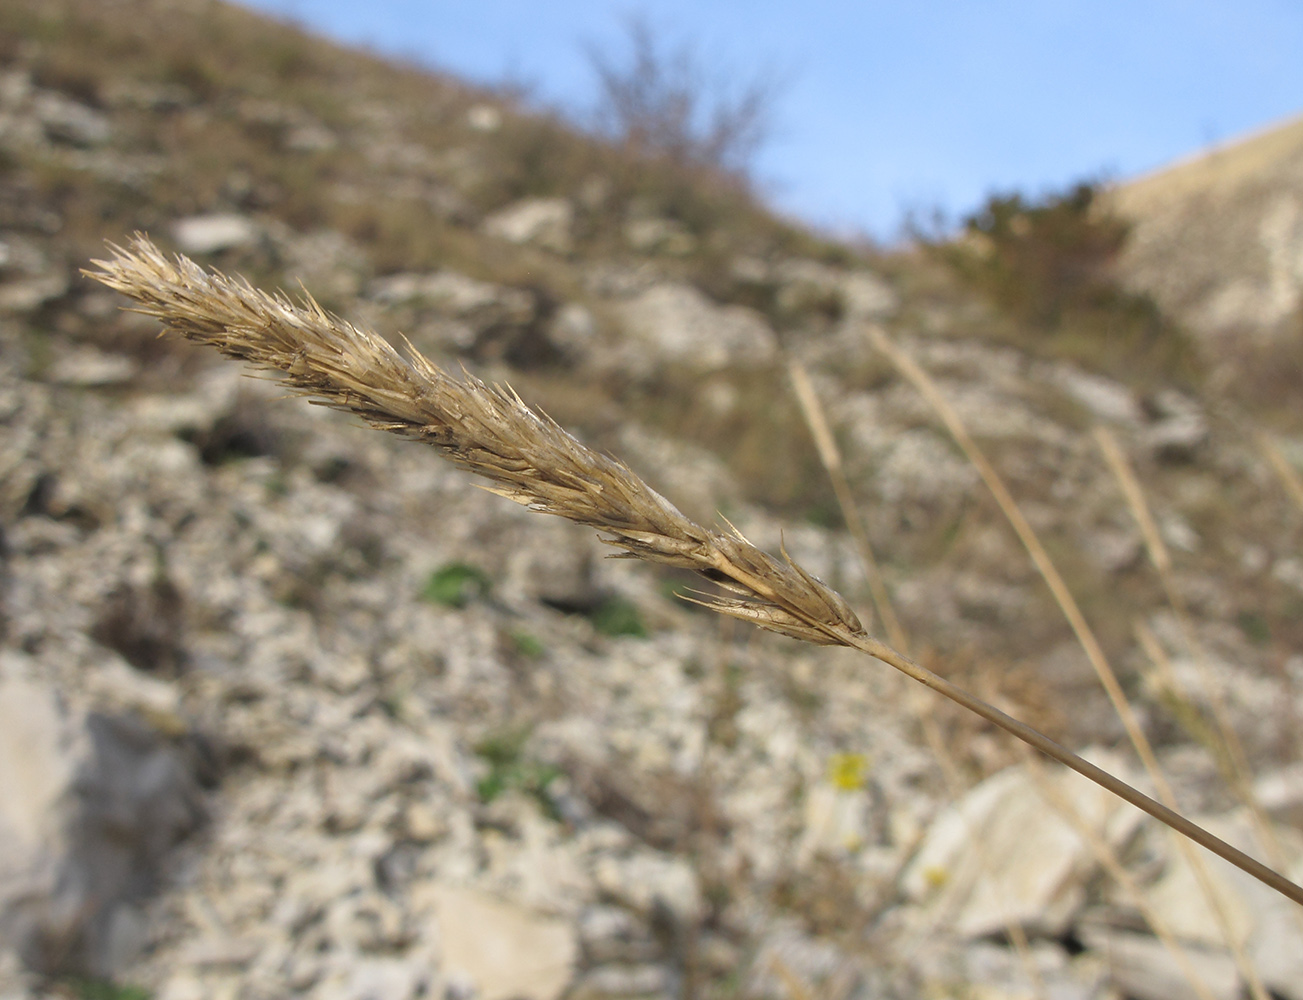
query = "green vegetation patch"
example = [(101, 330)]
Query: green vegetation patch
[(617, 616), (104, 989), (527, 644), (511, 769), (1254, 627), (455, 585)]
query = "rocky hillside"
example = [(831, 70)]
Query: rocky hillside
[(290, 708), (1217, 238), (1218, 241)]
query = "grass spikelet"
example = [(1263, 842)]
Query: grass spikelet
[(485, 429)]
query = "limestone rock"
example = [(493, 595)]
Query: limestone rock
[(1142, 967), (455, 295), (501, 951), (89, 807), (544, 222), (838, 822), (649, 880), (657, 235), (1280, 793), (206, 234), (88, 367), (26, 295), (1003, 853), (1263, 921), (70, 122), (484, 117), (806, 285), (673, 322), (1103, 397), (1180, 427)]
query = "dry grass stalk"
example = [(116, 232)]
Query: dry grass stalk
[(1107, 858), (1072, 611), (1288, 475), (1080, 627), (1241, 775), (1162, 560), (533, 461), (830, 457), (1027, 535)]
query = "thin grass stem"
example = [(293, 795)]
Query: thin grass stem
[(831, 459), (1288, 475), (1072, 612), (1240, 773)]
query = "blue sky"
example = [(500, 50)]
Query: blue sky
[(907, 106)]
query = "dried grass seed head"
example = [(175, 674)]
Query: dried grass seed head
[(486, 429)]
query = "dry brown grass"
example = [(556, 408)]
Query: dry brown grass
[(927, 720), (529, 458), (1077, 620), (486, 429)]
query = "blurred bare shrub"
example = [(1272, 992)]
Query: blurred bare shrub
[(660, 100)]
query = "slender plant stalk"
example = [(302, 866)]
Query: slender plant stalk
[(830, 455), (1288, 475), (1240, 772), (1085, 635), (831, 458), (530, 459), (1107, 859)]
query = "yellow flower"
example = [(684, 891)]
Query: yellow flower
[(847, 771)]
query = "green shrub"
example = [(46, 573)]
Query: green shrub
[(1049, 266)]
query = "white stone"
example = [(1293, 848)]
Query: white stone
[(504, 952), (656, 235), (545, 222), (484, 118), (88, 367), (866, 296), (454, 294), (861, 294), (1105, 398), (921, 468), (1280, 793), (203, 234), (38, 758), (29, 294), (88, 806), (1003, 853), (1262, 920), (677, 323), (310, 137), (836, 822), (1144, 969), (573, 329), (118, 687), (648, 880), (69, 121), (626, 981)]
